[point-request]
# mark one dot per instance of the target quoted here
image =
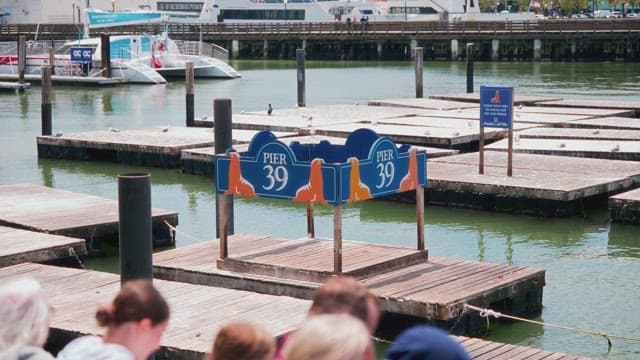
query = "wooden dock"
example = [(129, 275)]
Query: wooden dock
[(159, 146), (13, 86), (20, 246), (197, 313), (580, 134), (630, 106), (69, 80), (54, 211), (598, 149), (422, 103), (609, 122), (541, 184), (625, 207), (524, 100), (435, 290), (200, 161)]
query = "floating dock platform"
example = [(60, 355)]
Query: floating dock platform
[(435, 290), (541, 184), (576, 148), (13, 86), (54, 211), (159, 147), (20, 246), (197, 313), (474, 97), (69, 80), (625, 207)]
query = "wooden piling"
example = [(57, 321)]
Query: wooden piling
[(189, 78), (337, 239), (105, 49), (46, 101), (470, 67), (223, 141), (300, 55), (52, 60), (419, 77), (22, 58)]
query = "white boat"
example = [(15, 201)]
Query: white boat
[(159, 52)]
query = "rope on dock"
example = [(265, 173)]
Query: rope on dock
[(175, 230), (486, 313)]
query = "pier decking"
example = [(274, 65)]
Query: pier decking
[(525, 100), (197, 313), (625, 207), (55, 211), (13, 86), (160, 147), (69, 80), (540, 185), (18, 246), (598, 149), (434, 290)]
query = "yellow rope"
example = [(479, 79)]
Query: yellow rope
[(488, 312), (175, 230)]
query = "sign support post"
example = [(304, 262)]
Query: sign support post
[(496, 110)]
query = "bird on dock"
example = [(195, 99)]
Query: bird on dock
[(616, 148), (269, 110), (59, 134), (114, 129)]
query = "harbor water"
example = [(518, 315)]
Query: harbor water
[(592, 266)]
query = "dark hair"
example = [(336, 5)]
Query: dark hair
[(243, 341), (341, 295), (136, 300)]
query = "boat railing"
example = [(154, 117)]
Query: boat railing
[(202, 48)]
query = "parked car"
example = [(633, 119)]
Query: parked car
[(579, 16)]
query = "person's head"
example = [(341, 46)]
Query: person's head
[(329, 336), (25, 313), (137, 318), (425, 342), (243, 341), (345, 295)]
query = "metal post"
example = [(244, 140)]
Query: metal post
[(223, 141), (22, 57), (469, 68), (46, 101), (136, 246), (337, 239), (105, 53), (52, 60), (189, 74), (419, 64), (481, 150), (510, 154), (300, 54)]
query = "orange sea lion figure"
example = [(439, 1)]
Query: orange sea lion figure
[(496, 98), (237, 184), (313, 191), (357, 190), (410, 181)]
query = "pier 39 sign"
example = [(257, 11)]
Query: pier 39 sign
[(496, 107), (82, 54), (366, 167)]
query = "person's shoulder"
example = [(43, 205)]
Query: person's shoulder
[(93, 347), (32, 353)]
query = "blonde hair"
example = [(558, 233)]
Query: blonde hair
[(25, 313), (328, 336), (243, 341)]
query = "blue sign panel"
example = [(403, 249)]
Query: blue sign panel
[(496, 107), (367, 166), (82, 54)]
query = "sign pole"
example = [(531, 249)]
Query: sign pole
[(337, 239), (311, 232), (481, 150), (420, 216), (510, 153)]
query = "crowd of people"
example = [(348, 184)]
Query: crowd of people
[(340, 323)]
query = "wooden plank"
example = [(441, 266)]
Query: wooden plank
[(56, 211), (20, 246)]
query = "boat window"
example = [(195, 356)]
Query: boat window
[(253, 14), (180, 6)]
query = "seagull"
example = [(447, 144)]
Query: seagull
[(59, 133), (114, 129), (269, 110), (596, 132), (203, 117), (165, 129), (562, 145), (616, 148)]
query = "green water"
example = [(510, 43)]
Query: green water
[(591, 266)]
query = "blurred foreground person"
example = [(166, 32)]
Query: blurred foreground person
[(25, 316), (425, 342), (243, 341), (330, 337), (135, 322)]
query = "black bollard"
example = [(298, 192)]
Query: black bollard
[(223, 141), (136, 243), (105, 53), (189, 76), (22, 57), (302, 101), (469, 67), (46, 101)]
